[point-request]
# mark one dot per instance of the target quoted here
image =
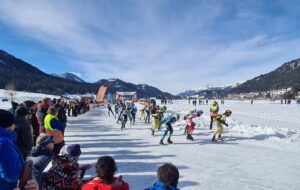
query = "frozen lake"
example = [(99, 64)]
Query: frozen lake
[(260, 148)]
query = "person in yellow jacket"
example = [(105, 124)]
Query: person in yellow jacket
[(54, 128), (214, 109), (221, 119), (157, 118)]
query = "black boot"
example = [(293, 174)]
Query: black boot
[(169, 141), (220, 138), (191, 138), (152, 132), (161, 141), (214, 138)]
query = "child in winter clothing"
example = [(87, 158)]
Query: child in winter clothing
[(105, 180), (168, 176), (41, 155), (221, 119), (64, 171)]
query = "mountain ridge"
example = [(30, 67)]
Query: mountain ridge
[(22, 76)]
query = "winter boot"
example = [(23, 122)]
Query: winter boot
[(220, 138), (169, 141), (152, 132), (189, 137), (161, 141), (214, 138)]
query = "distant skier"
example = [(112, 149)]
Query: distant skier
[(148, 113), (123, 118), (213, 112), (167, 125), (133, 111), (110, 110), (221, 119)]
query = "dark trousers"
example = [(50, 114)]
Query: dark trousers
[(211, 121)]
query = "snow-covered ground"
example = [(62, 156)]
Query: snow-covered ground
[(260, 148), (20, 97)]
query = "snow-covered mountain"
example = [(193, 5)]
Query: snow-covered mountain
[(210, 90), (286, 76), (69, 76), (28, 78)]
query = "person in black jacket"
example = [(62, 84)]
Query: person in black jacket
[(24, 131), (41, 155), (61, 115), (32, 107)]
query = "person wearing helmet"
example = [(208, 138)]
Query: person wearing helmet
[(214, 109), (190, 126), (221, 119), (167, 123)]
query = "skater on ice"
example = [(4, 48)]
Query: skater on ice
[(221, 120), (167, 125), (214, 109), (190, 126)]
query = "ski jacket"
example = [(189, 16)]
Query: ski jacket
[(11, 161), (133, 109), (161, 186), (97, 184), (221, 119), (169, 119)]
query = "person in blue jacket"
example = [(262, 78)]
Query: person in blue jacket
[(167, 125), (168, 176), (133, 111), (11, 161)]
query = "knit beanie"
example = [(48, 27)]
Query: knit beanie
[(29, 103), (22, 111), (6, 118), (71, 150)]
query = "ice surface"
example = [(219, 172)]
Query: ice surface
[(255, 154)]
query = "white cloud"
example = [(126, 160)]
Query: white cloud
[(147, 42)]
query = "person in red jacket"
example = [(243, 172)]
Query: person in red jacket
[(105, 180)]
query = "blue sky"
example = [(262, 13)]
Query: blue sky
[(174, 45)]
